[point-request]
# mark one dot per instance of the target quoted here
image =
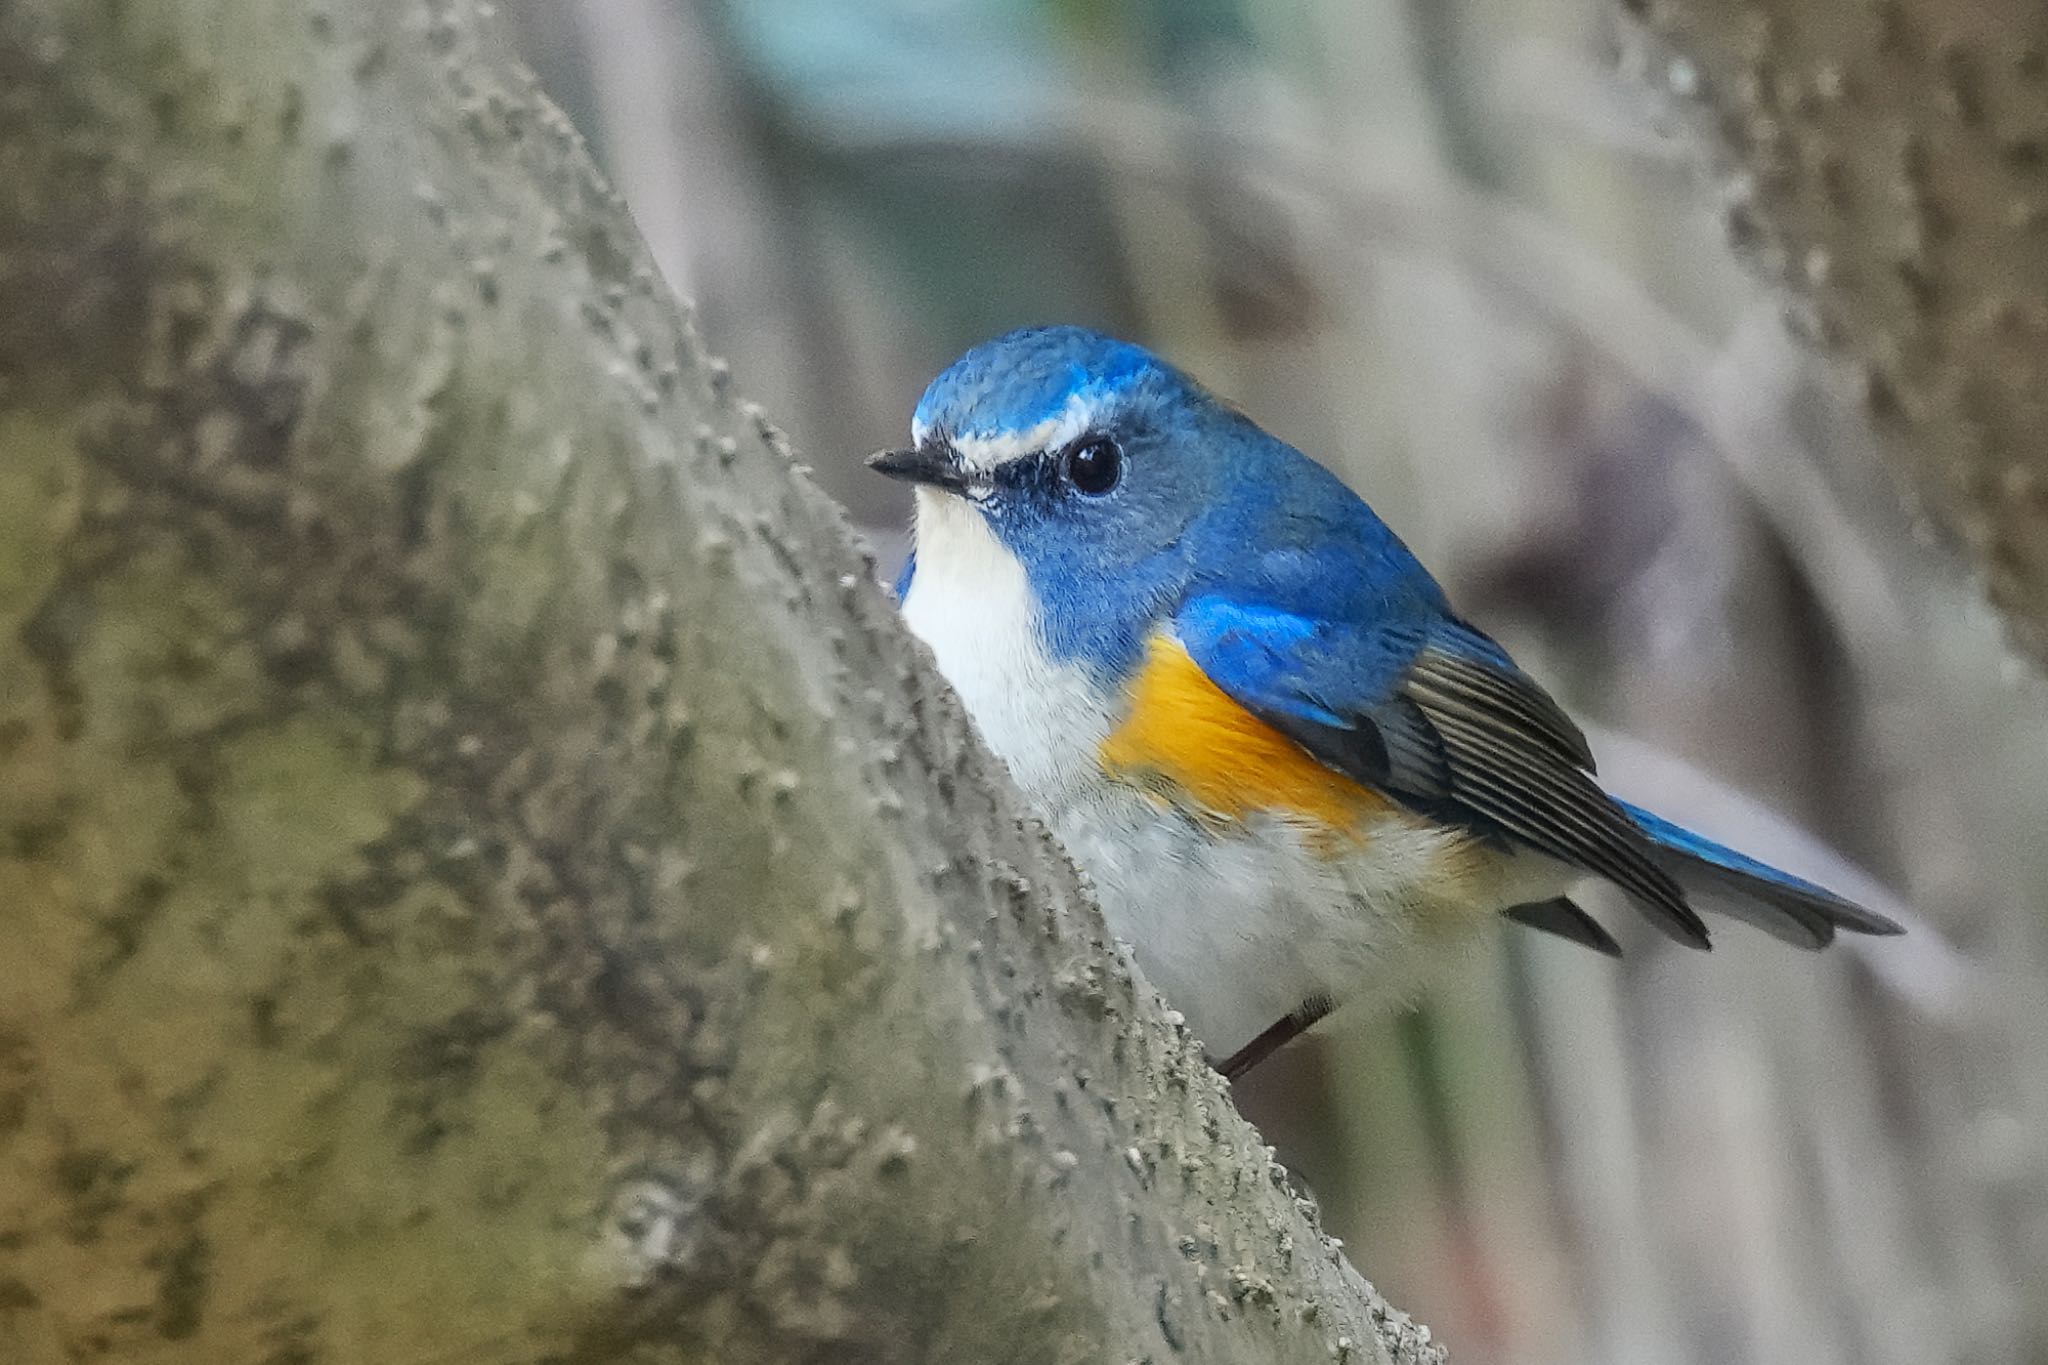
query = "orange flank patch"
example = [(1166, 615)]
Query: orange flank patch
[(1188, 743)]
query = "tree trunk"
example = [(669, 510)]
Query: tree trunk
[(1890, 167), (484, 875)]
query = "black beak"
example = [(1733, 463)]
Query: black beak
[(933, 466)]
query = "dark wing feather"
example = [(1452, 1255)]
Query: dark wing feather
[(1509, 702), (1467, 668), (1516, 768)]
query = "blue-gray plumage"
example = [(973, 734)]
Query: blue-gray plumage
[(1249, 710)]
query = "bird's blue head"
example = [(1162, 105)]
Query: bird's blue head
[(1112, 480)]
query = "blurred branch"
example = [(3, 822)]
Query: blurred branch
[(1523, 260), (1889, 167), (1528, 262), (485, 875)]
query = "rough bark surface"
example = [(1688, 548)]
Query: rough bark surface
[(483, 874), (1891, 169)]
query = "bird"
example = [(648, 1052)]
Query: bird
[(1295, 776)]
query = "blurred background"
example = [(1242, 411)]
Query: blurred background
[(1449, 248)]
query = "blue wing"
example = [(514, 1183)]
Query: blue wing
[(1434, 714)]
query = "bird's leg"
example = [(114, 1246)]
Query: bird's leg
[(1275, 1038)]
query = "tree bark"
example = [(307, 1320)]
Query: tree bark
[(1889, 166), (484, 875)]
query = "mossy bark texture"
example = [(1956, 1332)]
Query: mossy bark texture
[(1889, 166), (483, 874)]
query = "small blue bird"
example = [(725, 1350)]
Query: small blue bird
[(1295, 776)]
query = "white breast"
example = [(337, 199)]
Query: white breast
[(1237, 929), (971, 601)]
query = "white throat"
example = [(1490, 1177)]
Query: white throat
[(972, 602)]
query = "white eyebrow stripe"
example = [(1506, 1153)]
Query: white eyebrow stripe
[(985, 453)]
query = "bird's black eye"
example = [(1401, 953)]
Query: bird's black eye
[(1094, 465)]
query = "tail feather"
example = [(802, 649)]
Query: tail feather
[(1722, 881)]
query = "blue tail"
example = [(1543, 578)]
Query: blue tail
[(1726, 882)]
